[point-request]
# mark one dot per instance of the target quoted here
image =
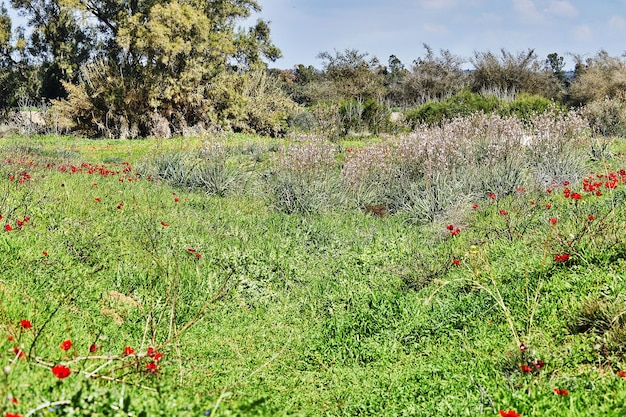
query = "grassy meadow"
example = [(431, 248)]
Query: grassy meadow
[(474, 269)]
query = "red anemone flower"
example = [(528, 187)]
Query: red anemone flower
[(558, 391), (66, 344), (25, 324), (61, 371), (509, 413)]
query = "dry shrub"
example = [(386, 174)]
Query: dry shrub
[(432, 170), (606, 117), (597, 78), (521, 72), (305, 179)]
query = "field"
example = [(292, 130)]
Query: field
[(238, 275)]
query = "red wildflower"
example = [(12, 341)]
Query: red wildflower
[(13, 415), (120, 205), (14, 401), (158, 356), (575, 196), (562, 257), (526, 368), (150, 352), (8, 227), (45, 254), (548, 206), (97, 199), (18, 352), (456, 262), (164, 224), (475, 206), (128, 351), (450, 227), (591, 218), (509, 413), (198, 255), (176, 200), (553, 220), (19, 222), (191, 250), (61, 371), (549, 190), (66, 344), (503, 213), (565, 183), (93, 348), (25, 324), (621, 374), (491, 196), (561, 391)]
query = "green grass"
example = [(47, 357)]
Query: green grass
[(335, 313)]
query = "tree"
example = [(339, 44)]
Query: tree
[(352, 75), (17, 80), (59, 44), (556, 64), (434, 77), (598, 77), (141, 61), (512, 73)]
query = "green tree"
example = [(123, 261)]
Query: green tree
[(59, 43), (154, 62), (17, 75), (556, 64)]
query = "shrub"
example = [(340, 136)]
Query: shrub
[(521, 73), (304, 180), (526, 105), (433, 78), (463, 104), (606, 117), (597, 78)]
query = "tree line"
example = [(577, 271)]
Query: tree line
[(130, 68)]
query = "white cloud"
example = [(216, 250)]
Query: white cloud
[(562, 8), (438, 4), (527, 10), (583, 32), (617, 23), (435, 28)]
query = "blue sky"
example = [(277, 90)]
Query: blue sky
[(304, 28)]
